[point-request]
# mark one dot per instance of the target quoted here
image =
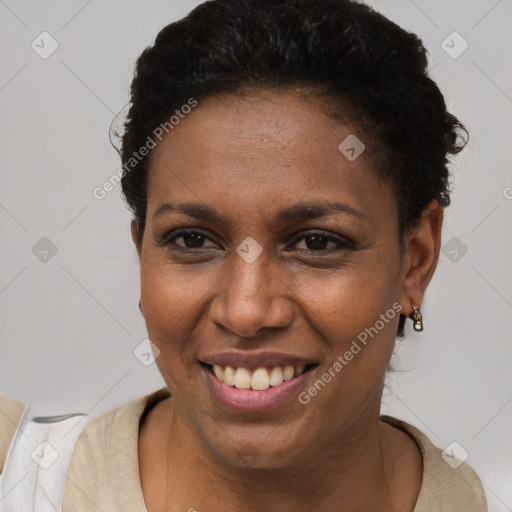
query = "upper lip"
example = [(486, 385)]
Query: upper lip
[(253, 360)]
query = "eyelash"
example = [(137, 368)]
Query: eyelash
[(342, 244)]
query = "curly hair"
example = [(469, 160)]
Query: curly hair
[(345, 50)]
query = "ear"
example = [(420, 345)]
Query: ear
[(135, 236), (421, 246)]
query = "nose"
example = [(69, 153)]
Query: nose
[(253, 296)]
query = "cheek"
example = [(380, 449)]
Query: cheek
[(346, 301), (170, 299), (356, 313), (342, 300), (175, 299), (339, 305), (353, 318), (173, 294)]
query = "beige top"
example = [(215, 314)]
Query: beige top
[(104, 469)]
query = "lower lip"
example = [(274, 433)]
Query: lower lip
[(247, 400)]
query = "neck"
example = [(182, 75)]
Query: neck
[(350, 473)]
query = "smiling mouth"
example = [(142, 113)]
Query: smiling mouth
[(258, 379)]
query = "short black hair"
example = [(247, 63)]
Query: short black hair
[(344, 49)]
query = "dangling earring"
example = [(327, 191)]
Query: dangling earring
[(140, 309), (417, 318)]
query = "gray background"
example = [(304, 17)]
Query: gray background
[(70, 321)]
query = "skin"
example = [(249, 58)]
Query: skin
[(248, 158)]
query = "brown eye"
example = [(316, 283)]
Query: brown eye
[(192, 239), (319, 242)]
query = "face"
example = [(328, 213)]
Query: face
[(265, 247)]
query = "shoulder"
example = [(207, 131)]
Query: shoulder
[(107, 431), (448, 484), (35, 452), (11, 412), (104, 466)]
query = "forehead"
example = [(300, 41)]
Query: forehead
[(263, 151)]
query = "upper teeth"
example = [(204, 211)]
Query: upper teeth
[(259, 379)]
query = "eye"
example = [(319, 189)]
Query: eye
[(319, 242), (312, 242), (191, 239)]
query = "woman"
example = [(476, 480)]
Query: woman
[(286, 165)]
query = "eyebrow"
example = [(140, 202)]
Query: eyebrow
[(299, 211)]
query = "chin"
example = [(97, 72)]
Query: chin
[(267, 447)]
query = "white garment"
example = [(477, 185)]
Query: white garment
[(37, 462)]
